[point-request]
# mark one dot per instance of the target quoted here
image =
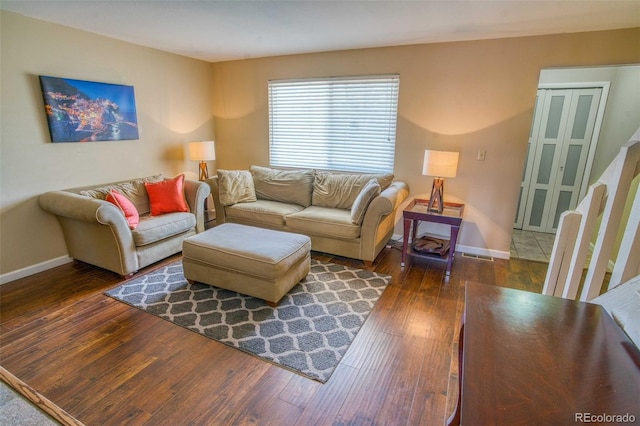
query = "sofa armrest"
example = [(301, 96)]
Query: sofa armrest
[(215, 194), (380, 219), (84, 209), (95, 231), (386, 203), (196, 192), (67, 205)]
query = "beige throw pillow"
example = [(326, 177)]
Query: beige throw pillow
[(235, 186), (286, 186), (339, 190), (370, 191)]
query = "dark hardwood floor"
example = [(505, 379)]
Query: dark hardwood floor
[(106, 363)]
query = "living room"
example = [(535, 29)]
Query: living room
[(466, 96)]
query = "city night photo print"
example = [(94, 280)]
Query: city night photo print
[(86, 111)]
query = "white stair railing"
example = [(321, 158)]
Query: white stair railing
[(606, 198)]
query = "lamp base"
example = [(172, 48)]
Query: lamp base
[(436, 203), (204, 173)]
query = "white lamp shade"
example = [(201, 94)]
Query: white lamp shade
[(202, 151), (440, 163)]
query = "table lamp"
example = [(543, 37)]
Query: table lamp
[(439, 164), (202, 152)]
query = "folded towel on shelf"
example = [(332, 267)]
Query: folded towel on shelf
[(430, 245)]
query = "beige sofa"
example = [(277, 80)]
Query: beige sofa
[(346, 214), (97, 232)]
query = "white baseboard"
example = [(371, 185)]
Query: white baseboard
[(34, 269), (469, 249), (478, 251)]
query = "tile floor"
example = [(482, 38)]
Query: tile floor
[(531, 245), (15, 410)]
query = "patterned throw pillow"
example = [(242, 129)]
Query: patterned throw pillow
[(167, 196), (370, 191), (126, 206), (235, 186)]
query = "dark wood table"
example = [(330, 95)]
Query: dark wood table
[(416, 212), (532, 359)]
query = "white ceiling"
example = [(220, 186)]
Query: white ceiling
[(235, 29)]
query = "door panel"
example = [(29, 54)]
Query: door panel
[(537, 208), (548, 146), (555, 116), (545, 166), (574, 151), (564, 203), (571, 165), (558, 149)]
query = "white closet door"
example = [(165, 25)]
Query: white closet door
[(546, 160), (560, 153), (573, 156)]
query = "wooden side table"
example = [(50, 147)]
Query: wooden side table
[(417, 212)]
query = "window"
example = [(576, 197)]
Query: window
[(335, 123)]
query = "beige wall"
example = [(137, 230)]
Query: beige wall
[(174, 106), (464, 96)]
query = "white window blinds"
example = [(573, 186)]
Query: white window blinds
[(335, 123)]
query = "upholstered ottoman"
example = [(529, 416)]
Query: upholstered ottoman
[(257, 262)]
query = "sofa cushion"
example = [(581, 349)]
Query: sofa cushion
[(287, 186), (340, 190), (323, 221), (370, 191), (126, 207), (156, 228), (235, 186), (264, 212), (134, 190), (167, 196)]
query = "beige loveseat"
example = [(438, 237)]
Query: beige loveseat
[(97, 232), (346, 214)]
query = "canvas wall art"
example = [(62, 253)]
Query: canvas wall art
[(86, 111)]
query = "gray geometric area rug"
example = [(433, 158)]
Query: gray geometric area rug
[(308, 332)]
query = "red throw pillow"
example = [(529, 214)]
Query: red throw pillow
[(126, 206), (167, 196)]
